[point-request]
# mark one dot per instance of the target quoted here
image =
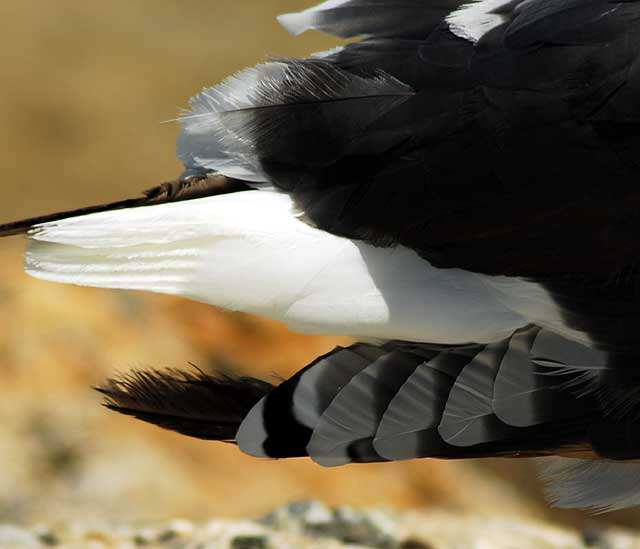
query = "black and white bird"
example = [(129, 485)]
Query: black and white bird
[(459, 191)]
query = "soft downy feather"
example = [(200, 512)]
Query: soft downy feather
[(597, 485), (302, 107)]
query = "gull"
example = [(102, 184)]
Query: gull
[(457, 191)]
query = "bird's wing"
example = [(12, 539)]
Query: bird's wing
[(515, 152), (404, 401), (495, 137), (399, 401)]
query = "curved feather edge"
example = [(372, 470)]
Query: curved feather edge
[(281, 424)]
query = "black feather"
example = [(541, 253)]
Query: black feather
[(191, 403), (171, 191)]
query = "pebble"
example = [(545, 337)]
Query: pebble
[(249, 542), (315, 519), (14, 536), (314, 525)]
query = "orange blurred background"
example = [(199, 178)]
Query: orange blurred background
[(85, 86)]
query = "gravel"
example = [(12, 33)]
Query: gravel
[(313, 525)]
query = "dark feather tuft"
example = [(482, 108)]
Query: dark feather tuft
[(196, 404), (172, 191)]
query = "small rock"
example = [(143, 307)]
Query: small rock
[(167, 535), (181, 527), (313, 518), (414, 544), (13, 536), (48, 538), (249, 542), (356, 527), (317, 513), (96, 536), (144, 536), (595, 537), (139, 539)]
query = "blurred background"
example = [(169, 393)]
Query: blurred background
[(85, 87)]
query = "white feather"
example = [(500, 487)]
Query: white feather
[(299, 22), (248, 251), (210, 141), (326, 53), (535, 303), (473, 20)]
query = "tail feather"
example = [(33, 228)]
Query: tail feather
[(191, 403), (164, 269), (166, 247)]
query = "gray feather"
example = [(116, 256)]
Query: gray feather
[(352, 418), (597, 485), (411, 419)]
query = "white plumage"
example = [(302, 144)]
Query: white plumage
[(250, 252), (475, 19)]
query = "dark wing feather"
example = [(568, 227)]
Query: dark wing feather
[(497, 163), (409, 426), (346, 428), (281, 424), (403, 402), (570, 22), (516, 156), (528, 388), (366, 403), (468, 417), (191, 403), (172, 191)]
